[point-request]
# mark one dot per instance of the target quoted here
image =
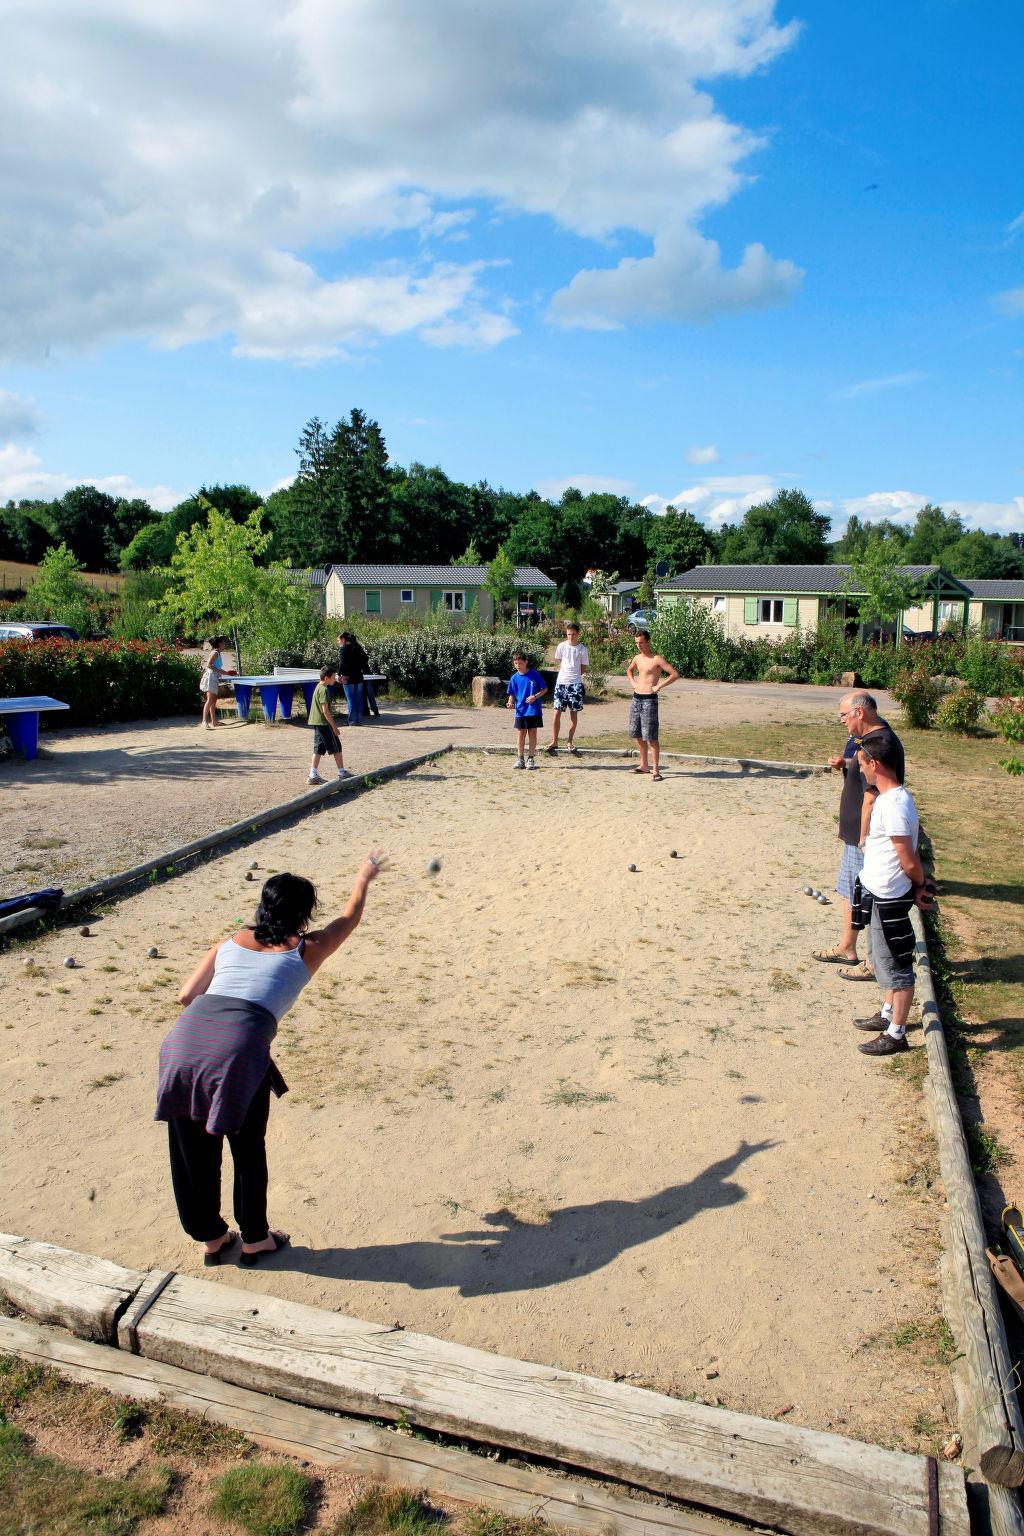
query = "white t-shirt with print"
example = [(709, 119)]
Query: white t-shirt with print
[(571, 661), (894, 814)]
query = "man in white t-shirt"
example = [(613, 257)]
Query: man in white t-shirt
[(573, 661), (890, 883)]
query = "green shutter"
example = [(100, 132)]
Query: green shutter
[(750, 610), (789, 610), (373, 602), (470, 600), (436, 598)]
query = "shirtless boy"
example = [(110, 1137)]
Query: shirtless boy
[(649, 674)]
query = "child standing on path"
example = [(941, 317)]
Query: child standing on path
[(573, 661), (325, 732), (526, 688)]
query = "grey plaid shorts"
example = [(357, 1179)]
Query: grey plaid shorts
[(643, 716)]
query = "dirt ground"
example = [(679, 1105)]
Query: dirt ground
[(95, 802), (609, 1120)]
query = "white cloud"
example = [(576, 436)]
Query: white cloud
[(903, 507), (22, 477), (1010, 301), (718, 499), (708, 455), (172, 168), (683, 280), (19, 418), (552, 489), (877, 386)]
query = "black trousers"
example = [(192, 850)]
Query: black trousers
[(195, 1173)]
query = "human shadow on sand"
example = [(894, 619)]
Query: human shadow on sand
[(508, 1256)]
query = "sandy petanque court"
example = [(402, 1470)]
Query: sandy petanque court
[(540, 1104)]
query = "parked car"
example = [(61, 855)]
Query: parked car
[(40, 631), (642, 618), (917, 636)]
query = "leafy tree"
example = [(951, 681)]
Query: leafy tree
[(933, 531), (645, 596), (677, 536), (601, 583), (469, 556), (784, 531), (58, 592), (881, 588), (285, 515), (217, 581), (26, 531), (982, 556), (500, 581), (150, 549)]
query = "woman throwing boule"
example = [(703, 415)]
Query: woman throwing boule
[(216, 1075)]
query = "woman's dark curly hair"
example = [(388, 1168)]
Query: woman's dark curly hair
[(287, 902)]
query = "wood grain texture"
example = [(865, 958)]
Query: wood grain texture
[(360, 1449), (995, 1419), (72, 1290), (803, 1481)]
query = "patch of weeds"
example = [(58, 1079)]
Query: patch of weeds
[(38, 1493), (107, 1080), (782, 981), (986, 1149), (644, 1032), (925, 1426), (662, 1070), (714, 1032), (380, 1510), (572, 1097), (264, 1500), (35, 841), (524, 1207), (498, 1096), (451, 1206), (129, 1420), (490, 1522), (738, 1076), (526, 1148)]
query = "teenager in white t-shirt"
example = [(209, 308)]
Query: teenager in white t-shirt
[(573, 661), (894, 876)]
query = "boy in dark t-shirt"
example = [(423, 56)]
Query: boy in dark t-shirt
[(526, 688)]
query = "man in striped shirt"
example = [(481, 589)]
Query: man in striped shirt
[(890, 883)]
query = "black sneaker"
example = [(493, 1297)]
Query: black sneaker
[(878, 1023), (884, 1045)]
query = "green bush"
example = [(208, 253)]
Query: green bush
[(991, 668), (264, 1500), (960, 711), (1008, 719), (101, 680), (430, 660), (918, 693)]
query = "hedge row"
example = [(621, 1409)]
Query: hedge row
[(693, 639), (102, 680), (428, 662)]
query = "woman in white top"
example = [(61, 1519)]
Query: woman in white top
[(573, 661), (209, 683)]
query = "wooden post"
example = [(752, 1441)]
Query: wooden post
[(73, 1290), (996, 1424)]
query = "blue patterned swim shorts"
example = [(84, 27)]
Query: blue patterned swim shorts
[(569, 696)]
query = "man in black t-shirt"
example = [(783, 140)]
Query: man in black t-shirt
[(859, 713)]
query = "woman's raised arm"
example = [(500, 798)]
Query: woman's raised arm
[(323, 943), (199, 981)]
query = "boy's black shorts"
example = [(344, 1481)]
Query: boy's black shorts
[(525, 722), (325, 741)]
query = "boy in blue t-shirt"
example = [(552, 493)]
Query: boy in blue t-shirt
[(526, 688)]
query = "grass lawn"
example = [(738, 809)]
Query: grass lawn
[(973, 811)]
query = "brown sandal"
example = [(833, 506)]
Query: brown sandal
[(832, 956)]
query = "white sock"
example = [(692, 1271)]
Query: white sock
[(897, 1031), (886, 1010)]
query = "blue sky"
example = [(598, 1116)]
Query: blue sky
[(689, 250)]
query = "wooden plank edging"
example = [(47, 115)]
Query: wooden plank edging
[(309, 801), (805, 1482), (361, 1449), (74, 1290), (996, 1424)]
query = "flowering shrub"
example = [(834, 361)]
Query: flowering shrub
[(919, 694), (102, 680), (1008, 719)]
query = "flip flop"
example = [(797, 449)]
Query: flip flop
[(639, 770), (832, 957), (656, 777), (281, 1240), (211, 1260)]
